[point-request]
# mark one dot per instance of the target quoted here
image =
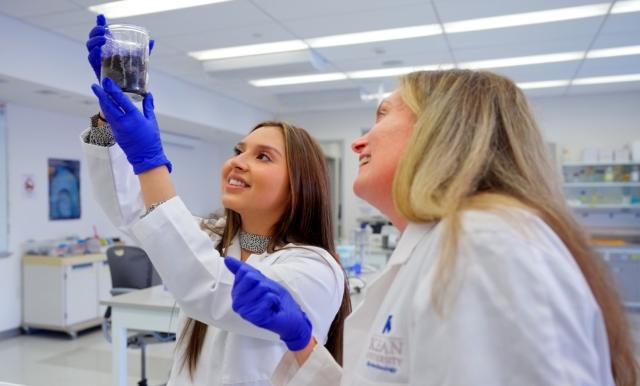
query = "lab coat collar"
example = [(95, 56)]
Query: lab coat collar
[(411, 236)]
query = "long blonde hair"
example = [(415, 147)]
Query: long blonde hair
[(475, 144)]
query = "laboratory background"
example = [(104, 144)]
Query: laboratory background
[(218, 68)]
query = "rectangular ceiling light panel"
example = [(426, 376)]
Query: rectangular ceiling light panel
[(124, 8), (249, 50), (527, 18)]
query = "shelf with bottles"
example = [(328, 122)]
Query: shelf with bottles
[(630, 207), (627, 174), (599, 163), (600, 196), (614, 184)]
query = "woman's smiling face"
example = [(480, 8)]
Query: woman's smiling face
[(380, 151), (255, 182)]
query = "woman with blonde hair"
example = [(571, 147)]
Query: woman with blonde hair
[(492, 282)]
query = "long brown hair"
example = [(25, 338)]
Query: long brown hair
[(306, 220), (476, 144)]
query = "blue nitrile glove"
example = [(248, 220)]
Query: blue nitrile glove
[(97, 39), (137, 134), (268, 304)]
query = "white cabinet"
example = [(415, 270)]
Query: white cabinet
[(63, 293), (624, 263)]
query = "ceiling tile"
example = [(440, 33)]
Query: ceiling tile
[(545, 92), (534, 36), (78, 32), (455, 10), (610, 66), (432, 49), (607, 88), (286, 10), (218, 38), (176, 64), (63, 19), (233, 14), (290, 69), (623, 23), (21, 8), (516, 50), (539, 72), (617, 40), (348, 22)]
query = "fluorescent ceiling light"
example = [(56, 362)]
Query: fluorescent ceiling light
[(375, 36), (479, 64), (524, 60), (543, 84), (615, 51), (606, 79), (380, 73), (396, 71), (315, 78), (626, 7), (249, 50), (487, 23), (527, 18), (581, 81), (124, 8)]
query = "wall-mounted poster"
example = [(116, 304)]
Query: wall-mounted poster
[(64, 189)]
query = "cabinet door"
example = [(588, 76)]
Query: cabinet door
[(81, 293), (104, 284), (43, 295)]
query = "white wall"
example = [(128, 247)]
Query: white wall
[(574, 122), (606, 120), (343, 126), (34, 135)]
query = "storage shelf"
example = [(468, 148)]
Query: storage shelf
[(632, 232), (605, 207), (601, 184), (577, 164)]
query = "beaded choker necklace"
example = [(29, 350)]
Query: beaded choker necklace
[(253, 243)]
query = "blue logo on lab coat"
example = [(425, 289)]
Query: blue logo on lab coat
[(387, 325)]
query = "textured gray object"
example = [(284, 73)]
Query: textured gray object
[(101, 136)]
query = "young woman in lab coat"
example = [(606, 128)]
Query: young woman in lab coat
[(269, 188), (492, 282), (277, 219)]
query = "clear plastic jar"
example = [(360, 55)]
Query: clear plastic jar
[(125, 58)]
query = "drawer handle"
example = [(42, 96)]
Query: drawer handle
[(80, 266)]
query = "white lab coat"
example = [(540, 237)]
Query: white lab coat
[(234, 352), (522, 314)]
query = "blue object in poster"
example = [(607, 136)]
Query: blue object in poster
[(64, 189)]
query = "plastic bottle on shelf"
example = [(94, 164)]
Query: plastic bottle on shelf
[(583, 197), (362, 246), (587, 174), (635, 174), (608, 174)]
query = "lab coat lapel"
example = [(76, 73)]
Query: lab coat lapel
[(358, 324)]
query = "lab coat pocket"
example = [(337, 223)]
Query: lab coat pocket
[(385, 360)]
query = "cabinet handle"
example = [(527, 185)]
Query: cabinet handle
[(80, 266)]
